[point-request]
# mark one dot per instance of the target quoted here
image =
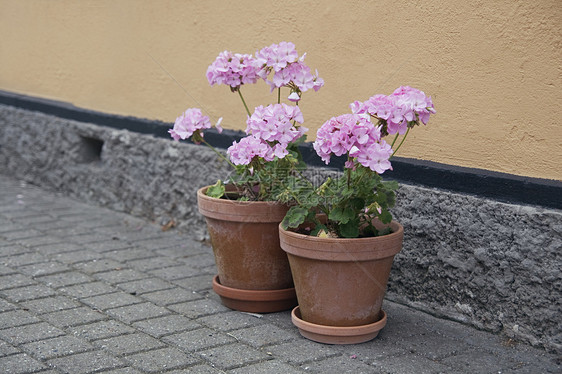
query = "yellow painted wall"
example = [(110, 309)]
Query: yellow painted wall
[(494, 68)]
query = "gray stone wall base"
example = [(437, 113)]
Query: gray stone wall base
[(493, 265)]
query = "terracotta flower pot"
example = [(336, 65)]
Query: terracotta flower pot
[(245, 240), (340, 283)]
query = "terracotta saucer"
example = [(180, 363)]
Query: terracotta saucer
[(337, 335), (255, 301)]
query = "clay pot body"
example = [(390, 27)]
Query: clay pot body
[(341, 282), (245, 240)]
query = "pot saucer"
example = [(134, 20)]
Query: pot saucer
[(336, 334), (255, 301)]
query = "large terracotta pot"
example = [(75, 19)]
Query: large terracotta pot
[(253, 271), (340, 284)]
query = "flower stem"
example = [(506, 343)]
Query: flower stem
[(394, 141), (218, 153), (244, 102), (279, 96), (402, 142)]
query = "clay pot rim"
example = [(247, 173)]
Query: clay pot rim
[(399, 231), (239, 211), (252, 295), (342, 249), (338, 334)]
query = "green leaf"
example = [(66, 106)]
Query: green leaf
[(385, 216), (390, 185), (319, 227), (216, 190), (337, 215), (294, 217), (357, 203), (350, 229)]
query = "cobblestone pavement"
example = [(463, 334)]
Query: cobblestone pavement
[(88, 290)]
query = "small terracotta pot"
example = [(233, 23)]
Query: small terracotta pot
[(245, 240), (341, 282)]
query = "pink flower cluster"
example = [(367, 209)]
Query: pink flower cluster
[(405, 105), (189, 122), (243, 152), (233, 69), (288, 69), (270, 130), (355, 135), (275, 123)]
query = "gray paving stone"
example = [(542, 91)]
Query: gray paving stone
[(409, 363), (47, 226), (5, 270), (161, 326), (197, 369), (87, 362), (5, 306), (199, 308), (107, 245), (155, 262), (137, 312), (74, 257), (159, 240), (161, 359), (482, 361), (15, 236), (68, 278), (129, 254), (272, 367), (121, 275), (56, 347), (38, 241), (233, 355), (142, 286), (183, 250), (20, 364), (127, 370), (195, 340), (30, 333), (383, 346), (56, 248), (171, 296), (24, 259), (99, 265), (197, 283), (341, 364), (9, 250), (74, 317), (43, 268), (101, 330), (50, 304), (259, 336), (27, 293), (232, 320), (128, 344), (203, 260), (15, 318), (179, 272), (112, 300), (88, 289), (7, 349), (15, 280), (302, 351)]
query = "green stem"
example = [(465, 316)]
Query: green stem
[(218, 153), (279, 96), (348, 173), (402, 142), (394, 141), (244, 102)]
